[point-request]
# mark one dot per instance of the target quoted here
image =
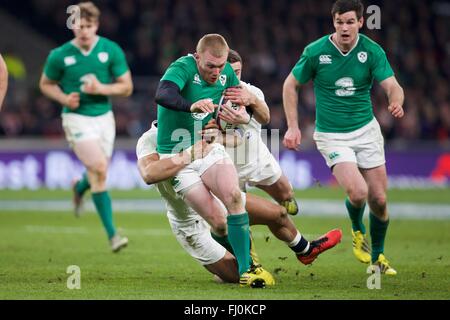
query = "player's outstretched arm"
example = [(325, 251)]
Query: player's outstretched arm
[(395, 96), (52, 90), (154, 170), (292, 137), (3, 80), (122, 87)]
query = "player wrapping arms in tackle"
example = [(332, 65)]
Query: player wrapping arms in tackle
[(196, 234), (255, 164), (186, 96)]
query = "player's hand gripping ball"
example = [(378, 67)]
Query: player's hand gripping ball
[(224, 125)]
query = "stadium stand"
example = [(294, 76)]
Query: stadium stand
[(268, 34)]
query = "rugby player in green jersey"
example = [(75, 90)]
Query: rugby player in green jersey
[(3, 80), (187, 95), (342, 67), (81, 75)]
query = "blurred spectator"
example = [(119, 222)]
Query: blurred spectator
[(15, 65), (269, 35)]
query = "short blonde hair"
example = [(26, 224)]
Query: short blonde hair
[(89, 11), (214, 43)]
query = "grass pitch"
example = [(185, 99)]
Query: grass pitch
[(36, 248)]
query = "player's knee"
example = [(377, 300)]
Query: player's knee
[(358, 196), (287, 194), (283, 189), (282, 215), (233, 199), (100, 169), (219, 225), (378, 202)]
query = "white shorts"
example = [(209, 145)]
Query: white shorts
[(265, 172), (364, 146), (191, 174), (80, 127), (196, 239)]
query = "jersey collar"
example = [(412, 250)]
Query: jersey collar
[(84, 52), (344, 54)]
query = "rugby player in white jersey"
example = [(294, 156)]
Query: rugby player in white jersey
[(254, 162)]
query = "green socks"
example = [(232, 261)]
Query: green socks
[(223, 241), (356, 216), (82, 185), (239, 238), (377, 233), (103, 205)]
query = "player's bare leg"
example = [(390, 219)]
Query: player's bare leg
[(281, 190), (94, 159), (222, 180), (225, 269), (350, 178), (262, 211), (200, 199), (283, 193), (376, 179)]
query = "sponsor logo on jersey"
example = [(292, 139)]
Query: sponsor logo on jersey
[(362, 56), (70, 60), (103, 56), (325, 59), (197, 79), (346, 85), (223, 79), (199, 116)]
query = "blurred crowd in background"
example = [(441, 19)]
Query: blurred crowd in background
[(270, 35)]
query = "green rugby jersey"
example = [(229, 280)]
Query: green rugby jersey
[(178, 130), (342, 82), (67, 65)]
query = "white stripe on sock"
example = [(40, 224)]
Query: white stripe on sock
[(296, 240)]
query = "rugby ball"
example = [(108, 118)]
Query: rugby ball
[(224, 125)]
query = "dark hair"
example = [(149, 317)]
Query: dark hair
[(343, 6), (234, 56)]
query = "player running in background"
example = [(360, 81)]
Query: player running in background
[(81, 75), (3, 80), (193, 232), (255, 164), (187, 95), (342, 66)]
